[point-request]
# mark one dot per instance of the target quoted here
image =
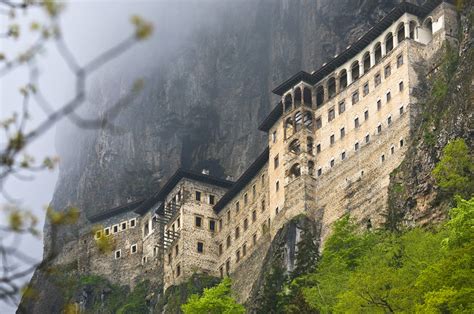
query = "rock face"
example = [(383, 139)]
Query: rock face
[(203, 108)]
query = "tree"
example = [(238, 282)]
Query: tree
[(19, 133), (216, 300), (454, 173)]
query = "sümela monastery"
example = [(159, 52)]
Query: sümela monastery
[(334, 137)]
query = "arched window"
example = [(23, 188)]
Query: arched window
[(295, 146), (297, 99), (429, 25), (295, 171), (310, 145), (308, 120), (331, 87), (289, 129), (298, 120), (378, 52), (343, 79), (401, 32), (307, 97), (319, 96), (310, 167), (366, 62), (288, 102), (412, 29), (389, 42), (355, 70)]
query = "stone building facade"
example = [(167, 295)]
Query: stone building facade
[(333, 140)]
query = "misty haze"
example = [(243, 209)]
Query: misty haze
[(245, 156)]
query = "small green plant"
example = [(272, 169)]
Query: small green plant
[(454, 173)]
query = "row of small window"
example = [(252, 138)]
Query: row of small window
[(242, 251), (356, 148), (211, 199), (116, 228), (357, 124), (237, 232), (133, 250), (199, 249), (342, 106)]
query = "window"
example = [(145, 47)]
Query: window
[(254, 239), (178, 222), (318, 148), (276, 162), (237, 256), (237, 207), (332, 139), (277, 186), (254, 191), (263, 205), (400, 86), (366, 115), (133, 249), (379, 129), (277, 210), (220, 224), (144, 259), (319, 123), (379, 105), (246, 199), (198, 221), (133, 222), (356, 146), (228, 216), (227, 267), (246, 224), (228, 241), (382, 158), (392, 150), (356, 123), (155, 251), (366, 89), (355, 98), (387, 71), (367, 138), (123, 225), (389, 120), (176, 250), (331, 114), (389, 96), (212, 225), (198, 196), (98, 234), (237, 233), (254, 215), (178, 270), (331, 163), (170, 258), (399, 61), (401, 110), (274, 136), (320, 171), (342, 107), (107, 232), (212, 199), (244, 249), (401, 143), (221, 270), (118, 254), (200, 247), (343, 132), (377, 79), (263, 180), (115, 229), (343, 155), (221, 249)]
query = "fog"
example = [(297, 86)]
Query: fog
[(89, 28)]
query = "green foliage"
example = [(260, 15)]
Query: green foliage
[(417, 270), (454, 173), (136, 301), (214, 300)]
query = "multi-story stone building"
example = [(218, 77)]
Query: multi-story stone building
[(333, 140)]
